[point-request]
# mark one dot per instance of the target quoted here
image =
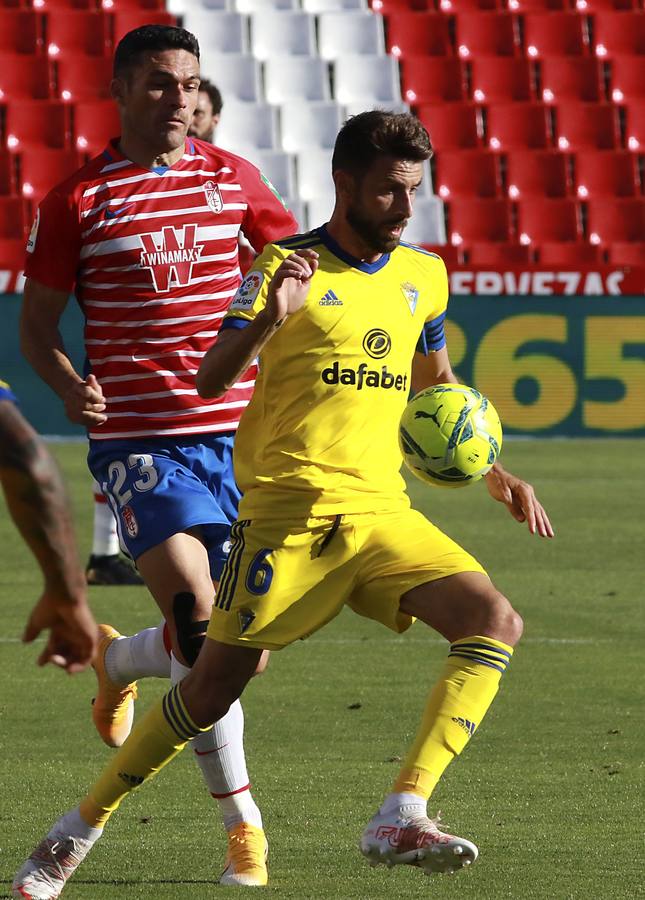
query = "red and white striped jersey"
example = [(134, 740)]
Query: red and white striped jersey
[(152, 256)]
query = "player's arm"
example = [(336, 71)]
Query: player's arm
[(42, 345), (236, 348), (38, 504)]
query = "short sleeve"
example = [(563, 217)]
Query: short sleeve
[(266, 217), (54, 244), (433, 335), (251, 295)]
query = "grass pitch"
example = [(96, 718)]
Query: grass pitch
[(551, 789)]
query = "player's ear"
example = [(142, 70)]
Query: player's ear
[(118, 89), (344, 184)]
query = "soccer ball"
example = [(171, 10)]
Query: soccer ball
[(450, 435)]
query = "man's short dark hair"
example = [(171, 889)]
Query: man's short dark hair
[(365, 137), (149, 39), (213, 95)]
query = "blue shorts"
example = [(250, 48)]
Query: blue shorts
[(158, 487)]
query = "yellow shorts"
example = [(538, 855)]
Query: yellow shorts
[(285, 580)]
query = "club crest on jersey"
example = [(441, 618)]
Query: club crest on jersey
[(245, 619), (170, 256), (130, 521), (213, 197), (411, 295)]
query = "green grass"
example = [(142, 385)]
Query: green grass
[(551, 789)]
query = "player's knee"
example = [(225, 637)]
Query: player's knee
[(191, 632), (503, 622)]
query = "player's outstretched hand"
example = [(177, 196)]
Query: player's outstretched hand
[(85, 403), (519, 498), (290, 284), (73, 635)]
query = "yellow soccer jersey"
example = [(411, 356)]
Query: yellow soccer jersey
[(319, 436)]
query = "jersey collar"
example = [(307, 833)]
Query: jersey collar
[(113, 154), (337, 250)]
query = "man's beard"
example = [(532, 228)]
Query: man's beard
[(370, 233)]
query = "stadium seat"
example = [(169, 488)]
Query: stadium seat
[(252, 6), (587, 125), (125, 20), (371, 80), (626, 253), (55, 5), (43, 123), (248, 125), (571, 78), (547, 219), (627, 78), (619, 32), (282, 34), (73, 32), (237, 75), (496, 79), (569, 253), (485, 253), (538, 173), (24, 76), (611, 220), (12, 220), (320, 6), (635, 127), (20, 31), (427, 224), (476, 219), (314, 174), (510, 125), (83, 77), (591, 6), (288, 78), (278, 168), (418, 33), (432, 79), (555, 34), (219, 32), (7, 173), (42, 168), (487, 34), (394, 7), (459, 6), (606, 173), (306, 125), (12, 253), (451, 126), (350, 32), (524, 6), (470, 173), (95, 123), (299, 210), (319, 210), (115, 5), (452, 256)]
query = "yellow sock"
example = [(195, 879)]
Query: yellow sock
[(159, 737), (455, 708)]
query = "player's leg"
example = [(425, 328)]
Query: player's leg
[(106, 565)]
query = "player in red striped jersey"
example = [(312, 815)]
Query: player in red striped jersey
[(146, 235)]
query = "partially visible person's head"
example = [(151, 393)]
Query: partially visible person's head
[(156, 84), (377, 166), (207, 112)]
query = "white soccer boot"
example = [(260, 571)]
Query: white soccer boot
[(407, 836), (57, 856)]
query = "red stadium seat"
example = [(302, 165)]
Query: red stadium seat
[(524, 6), (546, 219), (459, 6), (24, 76), (538, 173), (627, 79), (606, 173), (612, 220), (476, 219), (452, 125), (39, 123), (393, 7), (619, 32), (591, 6), (512, 125), (7, 173), (12, 253), (95, 123), (61, 5), (555, 34), (470, 173), (487, 33), (420, 33), (12, 220), (570, 78), (569, 253), (19, 31), (623, 253), (490, 254), (496, 79), (452, 256), (42, 169), (635, 127), (116, 5), (128, 19), (432, 79), (83, 77), (77, 32), (587, 125)]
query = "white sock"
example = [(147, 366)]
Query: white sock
[(220, 756), (142, 655), (73, 824), (106, 539), (393, 802)]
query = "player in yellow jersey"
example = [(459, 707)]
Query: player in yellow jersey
[(344, 320)]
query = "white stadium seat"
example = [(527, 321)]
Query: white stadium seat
[(353, 109), (280, 33), (296, 78), (314, 174), (342, 33), (319, 210), (304, 125), (248, 125), (427, 225), (299, 211), (218, 32), (237, 75), (372, 80), (251, 6), (278, 167), (321, 6)]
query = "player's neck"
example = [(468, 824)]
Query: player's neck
[(142, 155), (347, 239)]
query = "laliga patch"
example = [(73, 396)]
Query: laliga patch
[(248, 291), (213, 197), (130, 521), (33, 234)]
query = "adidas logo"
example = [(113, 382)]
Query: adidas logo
[(330, 299), (466, 724)]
